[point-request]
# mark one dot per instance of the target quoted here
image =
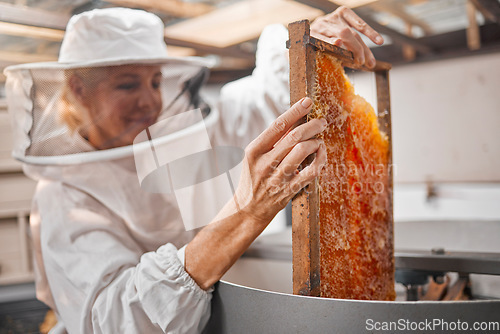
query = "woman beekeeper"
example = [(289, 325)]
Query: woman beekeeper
[(109, 230)]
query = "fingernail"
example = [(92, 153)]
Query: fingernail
[(306, 102), (324, 123), (379, 39)]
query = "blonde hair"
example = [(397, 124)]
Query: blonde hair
[(71, 111)]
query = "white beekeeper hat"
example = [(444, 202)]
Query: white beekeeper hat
[(172, 156), (113, 36), (93, 39)]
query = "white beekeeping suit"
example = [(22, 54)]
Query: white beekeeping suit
[(108, 255)]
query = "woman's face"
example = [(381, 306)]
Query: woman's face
[(122, 104)]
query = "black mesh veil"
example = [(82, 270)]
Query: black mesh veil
[(56, 117)]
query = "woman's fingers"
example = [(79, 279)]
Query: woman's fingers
[(308, 174), (349, 38), (299, 134), (266, 182), (357, 23), (368, 55), (297, 155), (313, 170), (267, 139), (339, 28)]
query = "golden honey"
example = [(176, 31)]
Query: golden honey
[(356, 229)]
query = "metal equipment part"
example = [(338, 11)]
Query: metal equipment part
[(242, 309), (239, 309)]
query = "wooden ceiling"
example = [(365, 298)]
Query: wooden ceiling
[(415, 30)]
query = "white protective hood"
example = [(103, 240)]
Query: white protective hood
[(40, 137)]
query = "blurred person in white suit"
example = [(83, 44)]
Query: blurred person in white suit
[(109, 256)]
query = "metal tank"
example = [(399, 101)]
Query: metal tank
[(251, 298)]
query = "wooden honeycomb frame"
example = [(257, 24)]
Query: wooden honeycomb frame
[(303, 49)]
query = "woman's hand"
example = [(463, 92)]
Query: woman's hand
[(270, 178), (339, 28), (271, 175)]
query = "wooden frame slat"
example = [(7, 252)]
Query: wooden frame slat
[(305, 206)]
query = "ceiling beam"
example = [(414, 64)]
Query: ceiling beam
[(396, 9), (28, 22), (408, 51), (32, 17), (179, 51), (451, 44), (353, 3), (21, 57), (473, 37), (175, 8), (232, 51), (490, 9), (176, 47), (396, 37), (232, 63), (14, 29), (223, 76), (239, 22)]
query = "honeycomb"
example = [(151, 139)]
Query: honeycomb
[(356, 229)]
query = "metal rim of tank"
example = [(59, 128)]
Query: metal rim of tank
[(241, 309)]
